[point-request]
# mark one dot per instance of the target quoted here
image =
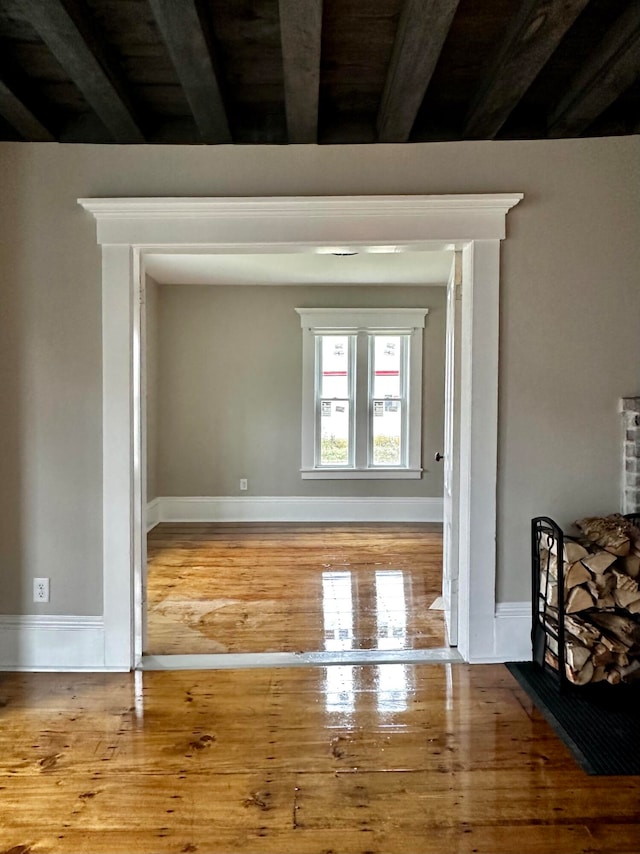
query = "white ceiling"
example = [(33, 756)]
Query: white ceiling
[(325, 268)]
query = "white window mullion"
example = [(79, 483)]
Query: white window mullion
[(362, 404)]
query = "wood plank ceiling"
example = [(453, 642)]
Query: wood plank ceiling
[(317, 71)]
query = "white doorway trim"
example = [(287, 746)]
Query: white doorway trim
[(129, 228)]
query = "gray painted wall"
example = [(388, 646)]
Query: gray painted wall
[(230, 388), (570, 307)]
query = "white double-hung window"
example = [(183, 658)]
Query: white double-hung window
[(361, 392)]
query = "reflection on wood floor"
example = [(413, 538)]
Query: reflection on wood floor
[(293, 588), (388, 759)]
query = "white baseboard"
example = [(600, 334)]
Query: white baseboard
[(512, 632), (294, 509), (153, 514), (39, 642), (61, 643)]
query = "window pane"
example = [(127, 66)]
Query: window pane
[(334, 361), (340, 690), (387, 432), (393, 688), (334, 432), (391, 609), (387, 361), (337, 610)]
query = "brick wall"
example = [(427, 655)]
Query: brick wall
[(630, 407)]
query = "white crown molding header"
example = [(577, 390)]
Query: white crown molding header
[(143, 208), (317, 221)]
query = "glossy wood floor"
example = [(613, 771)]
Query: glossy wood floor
[(293, 588), (418, 759)]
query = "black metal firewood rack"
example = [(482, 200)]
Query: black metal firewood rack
[(548, 621)]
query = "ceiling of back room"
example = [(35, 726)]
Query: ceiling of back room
[(310, 268)]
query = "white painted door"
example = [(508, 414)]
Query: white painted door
[(451, 453), (140, 454)]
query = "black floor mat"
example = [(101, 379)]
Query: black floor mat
[(600, 724)]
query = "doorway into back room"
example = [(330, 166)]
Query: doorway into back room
[(286, 564)]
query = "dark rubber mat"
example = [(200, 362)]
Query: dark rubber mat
[(600, 724)]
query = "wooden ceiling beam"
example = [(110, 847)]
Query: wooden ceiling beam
[(301, 37), (536, 31), (612, 68), (16, 112), (76, 44), (422, 30), (190, 52)]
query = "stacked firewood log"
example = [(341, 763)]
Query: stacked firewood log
[(601, 575)]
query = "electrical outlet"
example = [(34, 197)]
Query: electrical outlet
[(40, 589), (244, 483)]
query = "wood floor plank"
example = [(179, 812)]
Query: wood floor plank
[(438, 800), (224, 587), (384, 758)]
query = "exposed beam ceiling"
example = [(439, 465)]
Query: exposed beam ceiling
[(20, 117), (265, 72), (610, 71), (422, 30), (77, 46), (301, 35), (536, 32), (190, 52)]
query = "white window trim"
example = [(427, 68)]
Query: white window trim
[(352, 321)]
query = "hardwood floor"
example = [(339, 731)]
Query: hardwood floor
[(293, 588), (427, 759)]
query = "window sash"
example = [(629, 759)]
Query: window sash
[(349, 400), (402, 400)]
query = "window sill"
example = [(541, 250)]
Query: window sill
[(360, 474)]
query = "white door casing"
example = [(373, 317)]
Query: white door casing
[(127, 228), (451, 452), (140, 370)]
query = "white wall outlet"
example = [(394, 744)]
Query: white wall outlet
[(40, 589), (244, 483)]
